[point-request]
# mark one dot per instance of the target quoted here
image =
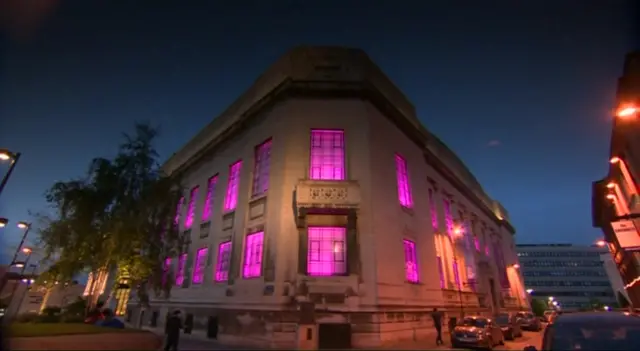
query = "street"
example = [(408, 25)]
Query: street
[(529, 338)]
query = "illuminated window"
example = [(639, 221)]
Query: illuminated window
[(176, 220), (252, 266), (261, 168), (182, 262), (440, 271), (166, 268), (410, 261), (191, 208), (404, 189), (434, 211), (327, 155), (122, 298), (208, 202), (231, 200), (224, 258), (456, 273), (327, 251), (200, 265), (448, 217)]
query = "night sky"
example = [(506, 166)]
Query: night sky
[(521, 92)]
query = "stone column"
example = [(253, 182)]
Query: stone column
[(303, 238), (353, 247)]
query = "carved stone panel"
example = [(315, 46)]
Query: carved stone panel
[(327, 194)]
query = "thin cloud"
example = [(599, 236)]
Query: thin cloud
[(494, 143)]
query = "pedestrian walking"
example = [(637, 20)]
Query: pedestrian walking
[(172, 329), (437, 322)]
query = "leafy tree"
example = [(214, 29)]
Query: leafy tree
[(118, 215), (538, 307), (622, 300)]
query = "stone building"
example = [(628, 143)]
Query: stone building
[(318, 199), (616, 198)]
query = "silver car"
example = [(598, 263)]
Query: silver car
[(476, 332)]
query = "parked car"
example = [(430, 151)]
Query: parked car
[(592, 331), (509, 325), (529, 322), (476, 332)]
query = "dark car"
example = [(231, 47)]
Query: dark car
[(592, 331), (476, 332), (529, 322), (509, 325)]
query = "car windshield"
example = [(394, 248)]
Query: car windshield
[(473, 322), (595, 337), (502, 319)]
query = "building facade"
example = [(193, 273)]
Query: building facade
[(318, 200), (614, 276), (616, 203), (573, 276)]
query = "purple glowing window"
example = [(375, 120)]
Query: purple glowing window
[(261, 168), (208, 202), (231, 200), (440, 272), (456, 273), (166, 267), (200, 265), (410, 261), (252, 266), (327, 251), (176, 220), (224, 258), (448, 217), (182, 262), (191, 208), (404, 189), (434, 210), (327, 155)]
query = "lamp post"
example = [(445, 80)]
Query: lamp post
[(22, 225), (13, 158), (516, 267), (23, 265)]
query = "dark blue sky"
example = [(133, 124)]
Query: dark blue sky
[(539, 78)]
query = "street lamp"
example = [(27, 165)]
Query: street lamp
[(601, 243), (3, 222), (627, 112), (13, 158), (529, 291), (458, 233)]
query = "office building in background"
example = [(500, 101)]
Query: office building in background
[(573, 276), (318, 205), (616, 203)]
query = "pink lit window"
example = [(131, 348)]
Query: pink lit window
[(176, 220), (182, 262), (448, 217), (200, 265), (231, 200), (208, 202), (456, 273), (252, 266), (434, 210), (404, 189), (476, 242), (327, 251), (440, 272), (261, 168), (327, 155), (166, 267), (224, 257), (410, 261), (191, 208)]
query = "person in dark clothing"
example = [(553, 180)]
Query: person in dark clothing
[(172, 329), (437, 322)]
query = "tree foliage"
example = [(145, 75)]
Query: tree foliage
[(538, 307), (119, 214)]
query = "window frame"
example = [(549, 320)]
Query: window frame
[(315, 134)]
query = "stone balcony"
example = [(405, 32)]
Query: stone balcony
[(329, 194)]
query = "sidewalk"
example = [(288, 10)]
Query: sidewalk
[(197, 341), (421, 344)]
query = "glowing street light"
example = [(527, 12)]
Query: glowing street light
[(3, 222), (529, 291), (13, 157), (27, 250), (601, 243), (24, 225), (611, 197), (550, 298), (627, 111), (611, 185), (516, 266)]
